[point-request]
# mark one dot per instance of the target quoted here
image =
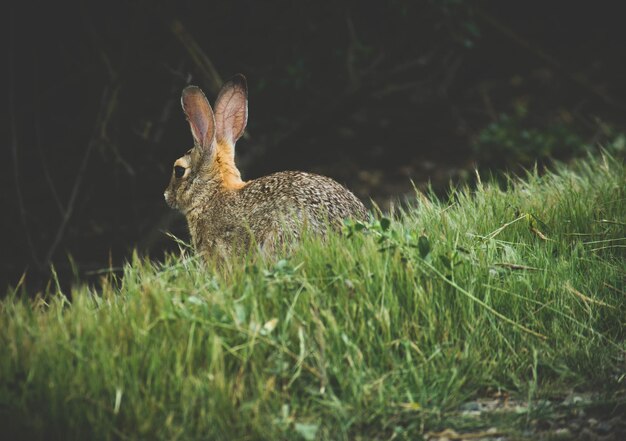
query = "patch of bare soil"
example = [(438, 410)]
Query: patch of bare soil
[(577, 416)]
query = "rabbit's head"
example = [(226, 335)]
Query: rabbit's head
[(209, 166)]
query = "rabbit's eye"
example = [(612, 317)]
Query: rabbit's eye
[(179, 171)]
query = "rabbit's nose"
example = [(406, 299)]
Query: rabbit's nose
[(165, 194)]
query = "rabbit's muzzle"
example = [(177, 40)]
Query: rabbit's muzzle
[(170, 200)]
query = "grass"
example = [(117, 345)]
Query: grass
[(378, 333)]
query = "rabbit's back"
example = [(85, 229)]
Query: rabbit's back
[(290, 199)]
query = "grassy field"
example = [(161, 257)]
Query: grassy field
[(379, 333)]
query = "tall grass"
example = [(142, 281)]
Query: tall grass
[(375, 333)]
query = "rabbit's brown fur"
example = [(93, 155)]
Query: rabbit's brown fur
[(227, 215)]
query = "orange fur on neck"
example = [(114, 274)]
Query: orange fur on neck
[(225, 164)]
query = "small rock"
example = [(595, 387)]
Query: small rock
[(604, 427), (543, 404), (587, 435), (471, 406), (572, 399), (520, 409), (563, 433), (592, 422), (575, 426)]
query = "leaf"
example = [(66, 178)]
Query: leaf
[(307, 431), (240, 313), (352, 227), (424, 246), (411, 406), (385, 223), (195, 300), (445, 260), (358, 226), (537, 223), (269, 326), (282, 264)]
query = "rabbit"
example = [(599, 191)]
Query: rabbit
[(227, 215)]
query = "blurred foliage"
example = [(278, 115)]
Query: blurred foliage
[(509, 140), (460, 20), (517, 139)]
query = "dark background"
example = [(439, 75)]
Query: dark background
[(372, 93)]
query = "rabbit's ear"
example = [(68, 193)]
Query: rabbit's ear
[(231, 110), (200, 116)]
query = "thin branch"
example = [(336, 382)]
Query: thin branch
[(14, 148), (549, 59), (612, 222), (42, 157), (354, 46), (199, 57), (80, 174), (46, 172), (584, 298), (515, 266)]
